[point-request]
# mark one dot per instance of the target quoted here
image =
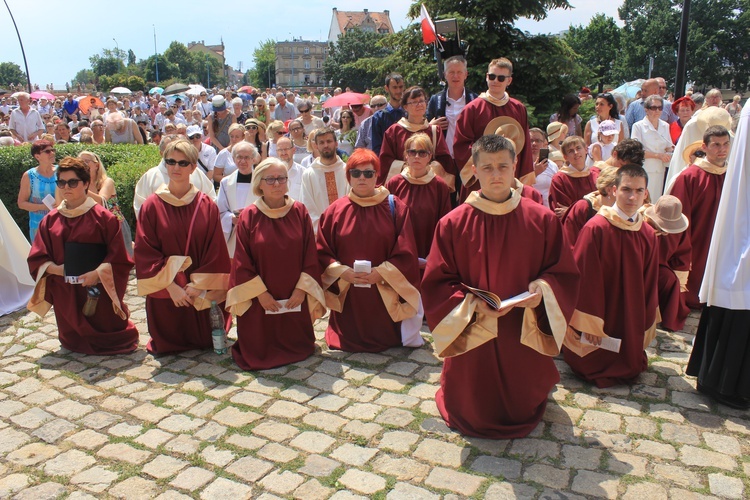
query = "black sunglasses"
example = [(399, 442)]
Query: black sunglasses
[(73, 183), (195, 136), (500, 78), (172, 162), (369, 174)]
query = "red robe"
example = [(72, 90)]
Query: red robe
[(565, 189), (350, 232), (674, 257), (619, 298), (393, 148), (499, 388), (470, 126), (104, 332), (578, 215), (427, 204), (699, 191), (163, 232), (278, 251)]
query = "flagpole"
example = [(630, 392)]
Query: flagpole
[(23, 52)]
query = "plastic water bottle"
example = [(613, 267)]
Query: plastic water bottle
[(218, 334)]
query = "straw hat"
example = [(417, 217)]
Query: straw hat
[(555, 130), (690, 150), (509, 128), (667, 214)]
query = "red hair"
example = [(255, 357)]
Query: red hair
[(362, 157)]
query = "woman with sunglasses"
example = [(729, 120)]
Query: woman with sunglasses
[(255, 134), (275, 281), (275, 130), (91, 315), (605, 109), (371, 273), (653, 133), (181, 258), (262, 113), (426, 195), (37, 183), (414, 102), (309, 121)]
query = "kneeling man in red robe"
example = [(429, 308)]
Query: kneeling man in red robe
[(498, 369)]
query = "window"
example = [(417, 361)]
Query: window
[(307, 50), (307, 64), (318, 64)]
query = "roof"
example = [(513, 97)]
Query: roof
[(350, 19)]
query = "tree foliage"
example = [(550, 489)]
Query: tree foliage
[(11, 73), (263, 72), (597, 46), (355, 45)]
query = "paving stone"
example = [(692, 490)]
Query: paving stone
[(649, 392), (737, 425), (217, 457), (666, 412), (362, 411), (275, 431), (399, 441), (43, 397), (134, 487), (249, 468), (693, 400), (282, 483), (277, 453), (403, 469), (203, 408), (192, 478), (32, 454), (121, 451), (678, 475), (362, 482), (547, 476), (8, 408), (117, 403), (180, 401), (328, 402), (499, 467), (389, 382), (353, 455), (397, 400), (125, 430), (535, 448), (313, 442), (566, 415), (153, 438), (180, 423), (723, 444), (224, 489), (679, 433), (725, 486), (323, 420), (99, 420), (32, 418), (395, 417), (623, 407), (265, 386), (441, 453), (299, 393), (54, 430), (596, 484), (362, 394), (640, 425), (95, 479), (327, 383), (88, 439), (164, 466), (509, 491), (250, 398), (312, 490), (233, 417), (600, 421), (368, 358), (290, 410), (458, 482), (12, 483), (577, 457), (43, 491), (246, 442), (69, 463), (183, 444), (150, 413), (25, 387), (659, 450), (211, 432), (691, 455), (639, 491), (318, 466), (367, 430)]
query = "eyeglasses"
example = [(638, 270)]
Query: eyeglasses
[(172, 162), (664, 87), (194, 137), (284, 149), (500, 78), (304, 110), (420, 153), (280, 132), (421, 102), (273, 180), (252, 127), (369, 174), (378, 105), (72, 183), (654, 108), (295, 129), (356, 107), (47, 151), (203, 95), (244, 158)]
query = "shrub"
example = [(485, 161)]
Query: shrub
[(125, 163)]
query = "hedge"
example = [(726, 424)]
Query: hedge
[(125, 163)]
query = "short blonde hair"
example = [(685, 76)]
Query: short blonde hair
[(260, 169), (183, 146), (101, 172), (419, 140), (607, 178), (274, 127), (236, 126)]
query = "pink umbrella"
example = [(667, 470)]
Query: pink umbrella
[(41, 94), (345, 99)]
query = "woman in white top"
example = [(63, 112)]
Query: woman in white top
[(347, 134), (606, 109), (653, 133), (544, 169), (235, 191), (297, 134), (309, 121), (224, 161)]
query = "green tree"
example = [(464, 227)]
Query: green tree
[(109, 62), (11, 73), (84, 77), (597, 46), (167, 69), (131, 57), (263, 72), (354, 45)]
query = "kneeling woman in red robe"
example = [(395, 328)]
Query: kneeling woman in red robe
[(383, 308), (80, 220), (426, 195), (181, 258), (276, 264)]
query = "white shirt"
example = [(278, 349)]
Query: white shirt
[(453, 108), (233, 197), (295, 180), (26, 125), (625, 216), (544, 180), (157, 176), (314, 194), (207, 156), (224, 160)]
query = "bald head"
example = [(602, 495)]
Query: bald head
[(649, 87)]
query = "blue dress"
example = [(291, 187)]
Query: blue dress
[(41, 186)]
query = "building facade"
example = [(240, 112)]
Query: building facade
[(299, 63), (375, 22)]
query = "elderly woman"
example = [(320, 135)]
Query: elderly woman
[(255, 134), (271, 110), (426, 195), (684, 107), (605, 108), (734, 108), (274, 131), (414, 102), (235, 191), (121, 130), (239, 115), (97, 127), (181, 259), (653, 132), (584, 209), (224, 164), (275, 280), (37, 183), (82, 237), (308, 120), (367, 250), (298, 135)]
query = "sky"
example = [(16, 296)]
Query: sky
[(60, 36)]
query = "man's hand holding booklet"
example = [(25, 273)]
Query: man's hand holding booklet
[(496, 305)]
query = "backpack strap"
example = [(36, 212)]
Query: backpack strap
[(392, 205)]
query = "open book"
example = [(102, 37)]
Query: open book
[(494, 301)]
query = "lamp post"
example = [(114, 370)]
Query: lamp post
[(679, 81), (156, 55), (117, 49), (23, 52), (208, 74)]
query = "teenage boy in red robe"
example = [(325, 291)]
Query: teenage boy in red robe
[(699, 189), (574, 180), (617, 254), (498, 369)]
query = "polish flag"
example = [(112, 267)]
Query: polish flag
[(428, 27)]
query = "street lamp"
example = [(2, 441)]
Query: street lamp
[(117, 49), (156, 55), (23, 52), (208, 74)]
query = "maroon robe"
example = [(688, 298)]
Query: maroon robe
[(575, 218), (699, 192), (427, 204), (393, 149), (619, 274), (565, 189), (277, 250), (350, 232), (498, 389), (104, 332), (470, 126), (674, 255), (162, 232)]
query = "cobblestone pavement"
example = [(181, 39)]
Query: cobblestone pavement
[(340, 426)]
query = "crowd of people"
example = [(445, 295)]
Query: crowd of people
[(515, 244)]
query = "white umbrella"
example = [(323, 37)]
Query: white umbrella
[(195, 90), (120, 90)]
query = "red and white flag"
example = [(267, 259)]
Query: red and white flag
[(428, 27)]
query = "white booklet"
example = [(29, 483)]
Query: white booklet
[(49, 201), (284, 309), (363, 266), (608, 343)]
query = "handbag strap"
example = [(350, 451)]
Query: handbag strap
[(192, 222)]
